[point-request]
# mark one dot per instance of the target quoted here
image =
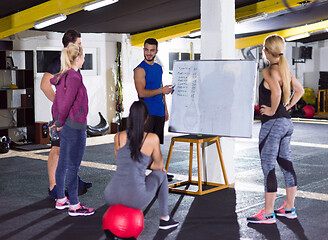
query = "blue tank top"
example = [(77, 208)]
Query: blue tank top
[(153, 77), (265, 99)]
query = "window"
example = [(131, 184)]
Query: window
[(88, 64), (45, 57), (174, 56), (185, 56)]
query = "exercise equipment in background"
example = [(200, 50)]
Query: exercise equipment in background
[(322, 103), (123, 222), (309, 96), (323, 80), (309, 111), (4, 144), (101, 128), (257, 110)]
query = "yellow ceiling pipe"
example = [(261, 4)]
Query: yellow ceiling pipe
[(259, 39), (25, 19), (179, 30)]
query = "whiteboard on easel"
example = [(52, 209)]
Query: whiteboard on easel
[(213, 97)]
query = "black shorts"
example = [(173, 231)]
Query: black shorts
[(155, 124), (55, 143)]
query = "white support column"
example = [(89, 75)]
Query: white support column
[(218, 42)]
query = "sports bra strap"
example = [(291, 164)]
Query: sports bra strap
[(144, 140)]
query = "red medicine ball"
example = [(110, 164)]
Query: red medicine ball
[(257, 110), (309, 111), (124, 222)]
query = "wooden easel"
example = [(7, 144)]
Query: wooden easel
[(198, 139)]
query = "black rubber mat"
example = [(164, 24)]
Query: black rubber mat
[(30, 147)]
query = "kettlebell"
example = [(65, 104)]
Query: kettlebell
[(4, 144)]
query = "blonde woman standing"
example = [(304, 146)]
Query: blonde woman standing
[(69, 111), (276, 130)]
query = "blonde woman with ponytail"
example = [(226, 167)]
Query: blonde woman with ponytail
[(69, 111), (275, 99)]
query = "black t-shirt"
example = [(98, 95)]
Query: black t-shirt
[(54, 66)]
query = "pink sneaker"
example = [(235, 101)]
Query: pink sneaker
[(81, 211), (62, 205), (261, 217), (283, 212)]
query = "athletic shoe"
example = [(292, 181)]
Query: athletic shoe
[(53, 193), (262, 217), (83, 184), (169, 177), (81, 211), (62, 206), (283, 212), (167, 224)]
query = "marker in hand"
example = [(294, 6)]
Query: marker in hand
[(173, 86)]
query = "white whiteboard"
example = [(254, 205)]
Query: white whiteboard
[(213, 97)]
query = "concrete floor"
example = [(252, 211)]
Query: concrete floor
[(27, 213)]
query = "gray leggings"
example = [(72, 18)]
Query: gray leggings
[(120, 191), (274, 145)]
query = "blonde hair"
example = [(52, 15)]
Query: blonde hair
[(275, 45), (68, 56)]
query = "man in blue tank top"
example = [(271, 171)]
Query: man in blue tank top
[(148, 83)]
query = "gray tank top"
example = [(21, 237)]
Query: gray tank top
[(130, 172), (129, 185)]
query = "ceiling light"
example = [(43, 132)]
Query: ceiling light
[(194, 34), (299, 36), (50, 21), (254, 17), (97, 4), (321, 31)]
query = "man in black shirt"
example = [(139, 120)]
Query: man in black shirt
[(70, 37)]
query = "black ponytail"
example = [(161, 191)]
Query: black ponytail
[(137, 117)]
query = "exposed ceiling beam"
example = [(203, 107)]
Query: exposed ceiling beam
[(179, 30), (166, 33), (258, 39), (24, 20), (268, 6)]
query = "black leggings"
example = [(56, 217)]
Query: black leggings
[(155, 124)]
